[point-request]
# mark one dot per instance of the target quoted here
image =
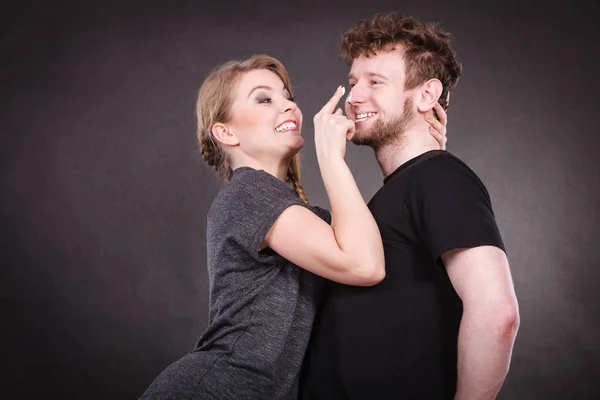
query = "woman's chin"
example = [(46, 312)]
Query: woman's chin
[(296, 144)]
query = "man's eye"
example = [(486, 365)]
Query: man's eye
[(374, 82)]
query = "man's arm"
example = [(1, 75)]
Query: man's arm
[(481, 277)]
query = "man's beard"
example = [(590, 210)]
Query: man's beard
[(383, 133)]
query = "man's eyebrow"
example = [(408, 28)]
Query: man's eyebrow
[(377, 74), (370, 74)]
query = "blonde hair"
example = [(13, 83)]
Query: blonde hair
[(215, 99)]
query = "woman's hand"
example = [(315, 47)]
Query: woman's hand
[(332, 129), (437, 129)]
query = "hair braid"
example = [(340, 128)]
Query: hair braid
[(215, 156), (291, 177)]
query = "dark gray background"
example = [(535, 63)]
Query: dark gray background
[(104, 194)]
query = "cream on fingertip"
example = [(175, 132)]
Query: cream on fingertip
[(343, 90)]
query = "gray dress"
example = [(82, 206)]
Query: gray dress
[(261, 307)]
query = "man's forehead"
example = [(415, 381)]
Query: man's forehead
[(381, 63)]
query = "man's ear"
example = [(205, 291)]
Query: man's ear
[(429, 94), (223, 134)]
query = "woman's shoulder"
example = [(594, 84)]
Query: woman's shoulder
[(251, 188)]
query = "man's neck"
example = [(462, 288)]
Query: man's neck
[(393, 155)]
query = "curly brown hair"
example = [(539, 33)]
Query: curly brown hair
[(427, 50), (215, 99)]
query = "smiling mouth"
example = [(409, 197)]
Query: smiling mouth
[(363, 116), (286, 126)]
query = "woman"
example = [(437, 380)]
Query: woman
[(266, 245)]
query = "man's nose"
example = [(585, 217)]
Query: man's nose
[(357, 94)]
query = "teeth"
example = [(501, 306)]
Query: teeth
[(285, 127), (361, 116)]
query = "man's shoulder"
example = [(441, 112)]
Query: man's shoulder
[(440, 160), (440, 165), (442, 172)]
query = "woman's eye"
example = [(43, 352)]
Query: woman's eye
[(264, 100), (293, 99)]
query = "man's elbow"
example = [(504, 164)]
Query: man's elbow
[(507, 321)]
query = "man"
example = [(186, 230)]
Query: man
[(442, 323)]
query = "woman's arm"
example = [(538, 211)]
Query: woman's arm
[(352, 251)]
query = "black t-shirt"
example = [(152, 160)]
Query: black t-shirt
[(398, 339)]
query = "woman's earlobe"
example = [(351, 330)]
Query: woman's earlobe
[(223, 134)]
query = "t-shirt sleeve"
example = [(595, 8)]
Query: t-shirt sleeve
[(254, 201), (322, 213), (452, 207)]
